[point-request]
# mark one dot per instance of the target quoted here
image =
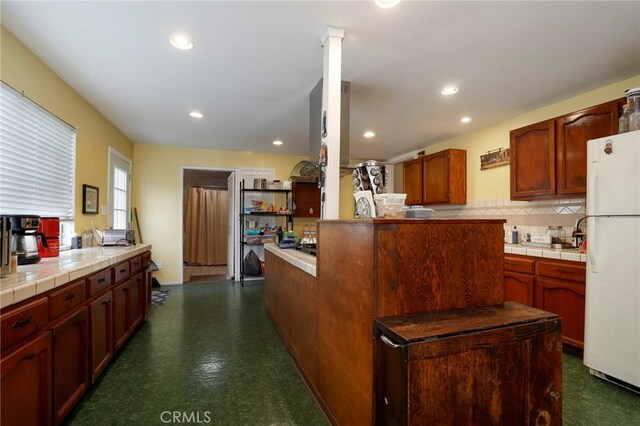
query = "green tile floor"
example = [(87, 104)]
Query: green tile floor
[(211, 351)]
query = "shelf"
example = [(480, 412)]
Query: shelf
[(266, 214), (266, 190)]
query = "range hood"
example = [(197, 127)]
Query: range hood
[(315, 124)]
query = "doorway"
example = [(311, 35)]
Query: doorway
[(207, 221)]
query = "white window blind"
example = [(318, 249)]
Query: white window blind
[(37, 159)]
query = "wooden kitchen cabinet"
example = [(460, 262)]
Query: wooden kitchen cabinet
[(26, 378), (137, 300), (70, 362), (412, 181), (439, 178), (306, 197), (101, 319), (121, 314), (498, 364), (519, 280), (549, 159), (573, 132)]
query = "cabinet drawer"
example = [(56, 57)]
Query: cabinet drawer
[(135, 264), (98, 282), (20, 323), (67, 298), (564, 271), (519, 264), (146, 259), (120, 271)]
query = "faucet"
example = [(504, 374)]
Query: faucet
[(577, 233)]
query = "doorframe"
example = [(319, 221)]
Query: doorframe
[(124, 158), (181, 215)]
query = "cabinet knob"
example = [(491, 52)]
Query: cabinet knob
[(22, 322)]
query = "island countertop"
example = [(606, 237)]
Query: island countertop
[(301, 260), (38, 278)]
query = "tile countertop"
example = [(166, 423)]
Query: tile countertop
[(301, 260), (563, 254), (52, 272)]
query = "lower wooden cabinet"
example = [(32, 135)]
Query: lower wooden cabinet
[(25, 389), (147, 285), (101, 319), (137, 300), (70, 362), (518, 288), (566, 299), (121, 314)]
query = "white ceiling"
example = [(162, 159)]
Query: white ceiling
[(254, 64)]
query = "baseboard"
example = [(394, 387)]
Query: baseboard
[(170, 283)]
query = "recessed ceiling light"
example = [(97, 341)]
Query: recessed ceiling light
[(449, 90), (181, 41), (278, 143), (369, 134), (386, 4), (465, 119), (195, 114)]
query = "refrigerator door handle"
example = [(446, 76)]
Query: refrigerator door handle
[(592, 244), (591, 193)]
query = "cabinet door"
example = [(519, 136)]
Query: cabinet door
[(121, 314), (147, 286), (25, 389), (101, 318), (566, 299), (574, 130), (306, 196), (137, 295), (518, 288), (412, 181), (533, 172), (70, 362), (435, 184)]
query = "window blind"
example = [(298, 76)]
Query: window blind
[(37, 159)]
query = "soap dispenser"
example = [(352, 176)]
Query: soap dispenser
[(514, 235)]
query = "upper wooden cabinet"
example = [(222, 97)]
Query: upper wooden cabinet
[(306, 197), (439, 178), (549, 159)]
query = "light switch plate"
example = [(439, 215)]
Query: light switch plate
[(103, 210)]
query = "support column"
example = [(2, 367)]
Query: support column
[(331, 96)]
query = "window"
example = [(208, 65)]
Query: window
[(37, 159), (119, 184)]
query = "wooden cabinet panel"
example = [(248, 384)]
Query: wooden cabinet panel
[(137, 297), (70, 362), (121, 314), (146, 259), (66, 299), (435, 185), (98, 282), (563, 270), (25, 389), (519, 264), (19, 323), (567, 300), (573, 132), (306, 197), (101, 319), (120, 271), (412, 181), (519, 288), (147, 286), (135, 264), (533, 156)]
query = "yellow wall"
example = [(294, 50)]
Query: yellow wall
[(24, 71), (494, 183)]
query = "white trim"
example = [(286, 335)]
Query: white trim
[(181, 215), (110, 184), (403, 157)]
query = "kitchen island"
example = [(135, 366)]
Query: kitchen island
[(368, 269)]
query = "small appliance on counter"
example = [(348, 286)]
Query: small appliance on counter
[(5, 245), (49, 227), (115, 237), (24, 229)]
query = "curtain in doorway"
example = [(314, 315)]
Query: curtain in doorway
[(205, 241)]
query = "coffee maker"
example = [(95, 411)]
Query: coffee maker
[(5, 245), (24, 229)]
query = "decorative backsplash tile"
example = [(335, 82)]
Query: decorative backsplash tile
[(531, 217)]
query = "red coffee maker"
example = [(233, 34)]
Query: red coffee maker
[(49, 229)]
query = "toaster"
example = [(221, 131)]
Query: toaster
[(117, 237)]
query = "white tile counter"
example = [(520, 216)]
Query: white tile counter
[(301, 260), (52, 272), (563, 254)]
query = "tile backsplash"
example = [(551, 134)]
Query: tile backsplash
[(531, 217)]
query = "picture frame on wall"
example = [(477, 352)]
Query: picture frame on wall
[(90, 199)]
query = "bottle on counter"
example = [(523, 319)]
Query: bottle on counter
[(633, 108), (280, 234), (514, 235)]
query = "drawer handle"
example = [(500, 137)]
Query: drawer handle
[(388, 341), (70, 297), (22, 322), (101, 280), (122, 271), (567, 271), (510, 263)]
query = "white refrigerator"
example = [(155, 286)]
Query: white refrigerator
[(612, 311)]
